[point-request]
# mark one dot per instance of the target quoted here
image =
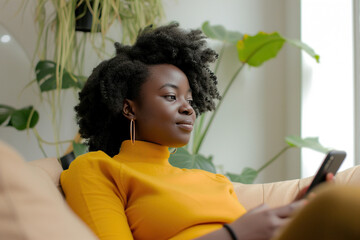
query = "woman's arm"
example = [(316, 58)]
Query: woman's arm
[(92, 194)]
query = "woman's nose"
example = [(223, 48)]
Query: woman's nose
[(186, 108)]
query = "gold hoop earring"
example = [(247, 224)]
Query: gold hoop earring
[(174, 151), (132, 131)]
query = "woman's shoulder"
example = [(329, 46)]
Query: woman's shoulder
[(90, 164), (92, 160)]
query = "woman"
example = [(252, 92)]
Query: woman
[(132, 109)]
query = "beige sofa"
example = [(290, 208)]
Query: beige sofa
[(32, 206)]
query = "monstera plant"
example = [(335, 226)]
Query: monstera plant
[(252, 51)]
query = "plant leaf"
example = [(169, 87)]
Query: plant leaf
[(79, 148), (219, 32), (183, 159), (255, 50), (46, 77), (247, 176), (310, 142), (81, 80), (19, 118), (304, 47), (5, 112)]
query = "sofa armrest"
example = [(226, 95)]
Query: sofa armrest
[(31, 207), (280, 193), (50, 169)]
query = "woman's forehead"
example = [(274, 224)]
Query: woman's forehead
[(166, 75)]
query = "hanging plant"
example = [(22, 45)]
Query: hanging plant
[(60, 51)]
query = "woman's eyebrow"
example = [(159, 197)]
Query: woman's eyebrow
[(169, 85), (172, 86)]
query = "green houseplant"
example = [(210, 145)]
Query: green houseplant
[(60, 51), (252, 51)]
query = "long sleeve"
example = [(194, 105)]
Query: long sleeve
[(92, 193)]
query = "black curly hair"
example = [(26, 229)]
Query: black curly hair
[(99, 113)]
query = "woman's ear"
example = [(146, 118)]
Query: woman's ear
[(129, 109)]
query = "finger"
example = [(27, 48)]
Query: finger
[(283, 221), (288, 210), (305, 189), (301, 193), (330, 177)]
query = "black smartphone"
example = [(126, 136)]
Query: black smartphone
[(331, 164)]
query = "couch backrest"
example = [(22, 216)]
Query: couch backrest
[(281, 193)]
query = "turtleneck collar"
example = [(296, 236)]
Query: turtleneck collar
[(142, 151)]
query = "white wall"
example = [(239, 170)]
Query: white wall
[(253, 121), (293, 74), (357, 81)]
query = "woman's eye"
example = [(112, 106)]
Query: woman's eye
[(170, 97), (190, 101)]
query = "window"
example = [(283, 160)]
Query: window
[(328, 88)]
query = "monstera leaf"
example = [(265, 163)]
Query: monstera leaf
[(79, 148), (310, 142), (304, 47), (46, 72), (247, 176), (219, 32), (19, 118), (255, 50), (183, 159)]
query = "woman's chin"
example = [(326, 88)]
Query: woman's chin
[(179, 144)]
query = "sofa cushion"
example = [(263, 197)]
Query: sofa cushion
[(31, 207)]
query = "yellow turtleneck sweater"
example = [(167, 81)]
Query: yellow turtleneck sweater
[(137, 194)]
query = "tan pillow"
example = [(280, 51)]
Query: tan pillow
[(30, 205)]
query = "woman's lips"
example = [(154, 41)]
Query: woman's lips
[(187, 126)]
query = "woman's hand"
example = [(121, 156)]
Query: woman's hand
[(262, 223), (329, 179)]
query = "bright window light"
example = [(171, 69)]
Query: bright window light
[(328, 87)]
